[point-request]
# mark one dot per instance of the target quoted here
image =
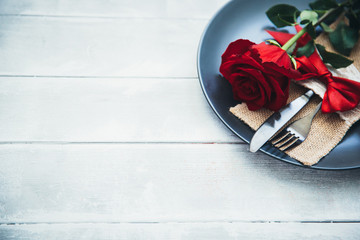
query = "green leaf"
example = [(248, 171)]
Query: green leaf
[(326, 27), (310, 30), (354, 17), (306, 50), (333, 16), (353, 14), (308, 15), (323, 4), (282, 15), (334, 59), (344, 38)]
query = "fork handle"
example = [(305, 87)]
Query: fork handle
[(302, 126), (313, 113)]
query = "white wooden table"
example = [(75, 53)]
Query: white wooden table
[(105, 134)]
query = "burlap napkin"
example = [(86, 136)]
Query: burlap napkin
[(327, 130)]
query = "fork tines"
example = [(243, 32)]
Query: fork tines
[(286, 141)]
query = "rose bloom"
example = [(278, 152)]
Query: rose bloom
[(258, 73)]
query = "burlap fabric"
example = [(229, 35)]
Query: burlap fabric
[(327, 130)]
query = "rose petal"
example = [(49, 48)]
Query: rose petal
[(280, 93), (259, 74), (236, 49), (272, 54), (280, 37)]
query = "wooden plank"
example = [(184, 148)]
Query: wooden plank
[(177, 231), (99, 47), (123, 8), (107, 110), (53, 183)]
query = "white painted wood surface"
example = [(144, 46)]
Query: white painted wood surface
[(177, 231), (114, 8), (166, 183), (107, 110), (98, 47), (105, 134)]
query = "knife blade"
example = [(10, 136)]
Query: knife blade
[(277, 120)]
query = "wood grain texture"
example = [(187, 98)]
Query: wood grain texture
[(166, 183), (105, 134), (183, 231), (111, 8), (107, 110), (38, 46)]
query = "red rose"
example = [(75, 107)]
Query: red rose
[(258, 73)]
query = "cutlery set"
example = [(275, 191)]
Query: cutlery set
[(292, 135)]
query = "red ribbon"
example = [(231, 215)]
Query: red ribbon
[(341, 94)]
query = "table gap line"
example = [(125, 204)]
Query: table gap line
[(11, 223)]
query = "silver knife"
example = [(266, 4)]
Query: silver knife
[(277, 120)]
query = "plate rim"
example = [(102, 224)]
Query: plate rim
[(291, 161)]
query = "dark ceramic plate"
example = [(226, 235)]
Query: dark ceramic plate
[(247, 19)]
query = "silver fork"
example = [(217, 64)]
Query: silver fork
[(295, 133)]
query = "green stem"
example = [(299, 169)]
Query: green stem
[(323, 17), (293, 40), (296, 37)]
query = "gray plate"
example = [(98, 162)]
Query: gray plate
[(247, 19)]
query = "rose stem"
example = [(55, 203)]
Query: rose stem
[(298, 35)]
